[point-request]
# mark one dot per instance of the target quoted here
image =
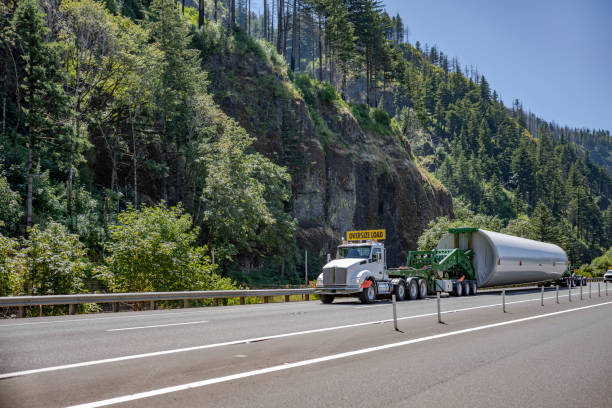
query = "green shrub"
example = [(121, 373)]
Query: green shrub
[(381, 117), (152, 249), (12, 267), (55, 261), (246, 44), (305, 87), (327, 92)]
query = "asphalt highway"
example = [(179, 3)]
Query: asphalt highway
[(306, 354)]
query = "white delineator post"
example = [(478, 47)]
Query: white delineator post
[(394, 312), (438, 300)]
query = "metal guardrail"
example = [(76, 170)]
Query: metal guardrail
[(21, 302), (115, 298)]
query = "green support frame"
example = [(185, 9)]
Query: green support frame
[(441, 263)]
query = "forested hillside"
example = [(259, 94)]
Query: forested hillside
[(161, 145)]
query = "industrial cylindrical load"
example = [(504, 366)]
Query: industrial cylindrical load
[(501, 259)]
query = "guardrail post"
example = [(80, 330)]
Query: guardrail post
[(266, 299), (71, 309), (606, 288), (152, 305), (215, 302), (557, 293), (242, 300), (569, 292), (438, 301), (115, 306), (185, 303), (307, 296), (542, 297), (287, 298), (590, 284), (40, 308), (21, 311), (598, 289), (394, 312), (581, 292), (504, 300)]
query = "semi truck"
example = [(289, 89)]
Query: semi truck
[(465, 259)]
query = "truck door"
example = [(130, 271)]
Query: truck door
[(377, 267)]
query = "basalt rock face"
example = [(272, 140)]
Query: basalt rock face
[(342, 178)]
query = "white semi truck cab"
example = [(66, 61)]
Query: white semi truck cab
[(358, 270)]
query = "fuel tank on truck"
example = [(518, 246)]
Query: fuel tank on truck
[(501, 259)]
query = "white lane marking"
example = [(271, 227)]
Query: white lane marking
[(286, 366), (235, 342), (157, 325)]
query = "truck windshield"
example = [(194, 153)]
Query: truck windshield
[(354, 252)]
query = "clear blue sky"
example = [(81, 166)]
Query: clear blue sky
[(553, 55)]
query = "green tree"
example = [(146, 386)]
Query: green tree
[(55, 261), (10, 206), (12, 267), (181, 81), (542, 224), (245, 200), (153, 249), (42, 100)]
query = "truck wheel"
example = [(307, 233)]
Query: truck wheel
[(474, 288), (466, 289), (413, 289), (327, 299), (368, 295), (422, 289), (458, 289), (400, 291)]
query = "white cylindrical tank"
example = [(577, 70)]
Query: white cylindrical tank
[(501, 259)]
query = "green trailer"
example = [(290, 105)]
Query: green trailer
[(445, 270)]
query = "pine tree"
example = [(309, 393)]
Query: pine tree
[(44, 104)]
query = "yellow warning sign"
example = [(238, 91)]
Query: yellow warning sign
[(364, 235)]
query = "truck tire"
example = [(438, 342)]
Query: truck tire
[(458, 289), (422, 289), (400, 291), (474, 288), (368, 295), (327, 299), (413, 289), (467, 290)]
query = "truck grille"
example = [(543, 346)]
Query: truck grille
[(334, 276)]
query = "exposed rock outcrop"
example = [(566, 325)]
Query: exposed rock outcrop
[(342, 177)]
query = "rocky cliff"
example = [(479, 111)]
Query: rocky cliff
[(344, 177)]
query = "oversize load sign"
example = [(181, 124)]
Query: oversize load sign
[(363, 235)]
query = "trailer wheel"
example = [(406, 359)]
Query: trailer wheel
[(327, 299), (466, 288), (368, 295), (474, 288), (458, 289), (422, 289), (413, 289), (400, 291)]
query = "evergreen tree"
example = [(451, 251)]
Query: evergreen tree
[(42, 100)]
